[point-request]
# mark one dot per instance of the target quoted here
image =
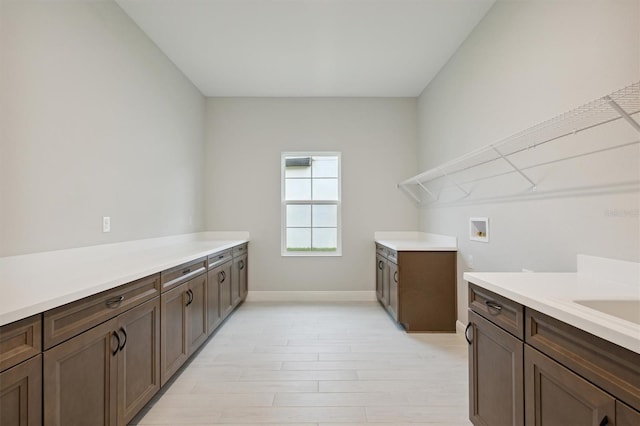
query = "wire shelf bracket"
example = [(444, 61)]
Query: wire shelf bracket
[(623, 114), (514, 167), (427, 190)]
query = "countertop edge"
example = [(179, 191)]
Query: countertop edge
[(596, 323), (41, 307)]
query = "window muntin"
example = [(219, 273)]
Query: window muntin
[(311, 204)]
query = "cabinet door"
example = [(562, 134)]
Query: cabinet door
[(213, 300), (235, 282), (626, 416), (393, 290), (386, 284), (197, 312), (80, 379), (244, 276), (21, 394), (138, 358), (555, 396), (226, 302), (174, 349), (379, 273), (495, 374)]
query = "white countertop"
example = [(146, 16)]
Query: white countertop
[(554, 294), (416, 241), (34, 283)]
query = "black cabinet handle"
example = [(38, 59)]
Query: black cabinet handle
[(114, 302), (189, 299), (241, 265), (493, 305), (115, 351), (466, 335), (186, 271), (395, 277), (124, 342), (190, 296), (380, 265), (223, 276), (605, 421)]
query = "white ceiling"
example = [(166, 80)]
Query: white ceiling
[(309, 48)]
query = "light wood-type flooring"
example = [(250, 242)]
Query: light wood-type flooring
[(317, 364)]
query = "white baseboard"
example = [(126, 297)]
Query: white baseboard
[(460, 327), (311, 296)]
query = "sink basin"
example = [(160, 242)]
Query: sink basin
[(625, 309)]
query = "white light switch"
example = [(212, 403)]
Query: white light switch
[(106, 224)]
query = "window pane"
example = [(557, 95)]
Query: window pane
[(296, 171), (325, 238), (325, 167), (299, 216), (298, 238), (297, 189), (325, 189), (325, 216)]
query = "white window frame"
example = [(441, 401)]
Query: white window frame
[(284, 203)]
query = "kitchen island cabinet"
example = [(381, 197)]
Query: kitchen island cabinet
[(417, 288)]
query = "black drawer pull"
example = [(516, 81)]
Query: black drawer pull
[(115, 351), (493, 305), (186, 271), (221, 256), (124, 342), (241, 265), (114, 301), (222, 276), (395, 277), (466, 335), (605, 421), (380, 265)]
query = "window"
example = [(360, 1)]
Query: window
[(311, 204)]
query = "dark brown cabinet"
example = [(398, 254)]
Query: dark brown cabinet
[(214, 317), (80, 378), (21, 394), (197, 312), (173, 325), (239, 277), (106, 374), (495, 374), (226, 297), (528, 368), (555, 396), (626, 416), (381, 269), (417, 288), (138, 359), (183, 324), (393, 290)]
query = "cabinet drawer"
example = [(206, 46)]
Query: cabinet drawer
[(607, 365), (381, 250), (19, 341), (69, 320), (239, 250), (175, 276), (219, 258), (499, 310)]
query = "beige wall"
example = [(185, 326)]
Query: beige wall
[(94, 121), (526, 62), (244, 140)]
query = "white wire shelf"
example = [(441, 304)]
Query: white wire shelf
[(620, 105)]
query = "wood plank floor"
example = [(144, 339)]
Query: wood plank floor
[(317, 364)]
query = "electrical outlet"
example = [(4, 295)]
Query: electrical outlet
[(106, 224)]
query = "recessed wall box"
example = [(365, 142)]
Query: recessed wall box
[(479, 229)]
